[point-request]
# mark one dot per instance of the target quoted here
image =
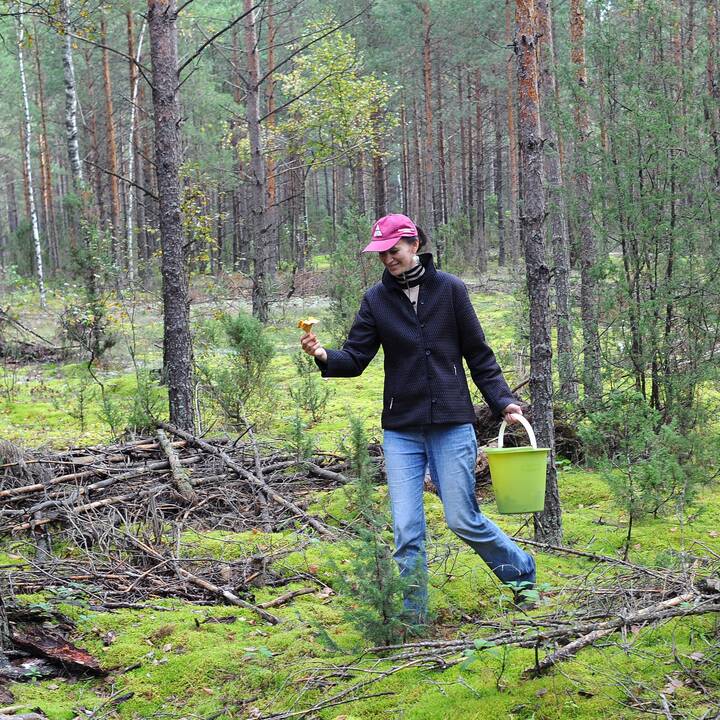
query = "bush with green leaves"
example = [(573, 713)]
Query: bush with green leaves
[(242, 372), (310, 392), (649, 466), (371, 580)]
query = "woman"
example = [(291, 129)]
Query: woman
[(425, 322)]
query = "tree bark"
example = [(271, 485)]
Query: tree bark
[(589, 298), (258, 182), (12, 208), (713, 87), (97, 178), (498, 179), (513, 244), (548, 524), (405, 190), (379, 171), (51, 230), (556, 209), (161, 18), (428, 215), (131, 164), (481, 240), (112, 156), (71, 129), (28, 160), (272, 211), (442, 171)]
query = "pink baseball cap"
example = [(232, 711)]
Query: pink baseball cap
[(388, 230)]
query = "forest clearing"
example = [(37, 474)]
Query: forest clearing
[(359, 359)]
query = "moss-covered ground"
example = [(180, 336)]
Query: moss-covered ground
[(171, 659)]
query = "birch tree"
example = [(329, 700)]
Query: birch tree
[(27, 158), (258, 170), (134, 62)]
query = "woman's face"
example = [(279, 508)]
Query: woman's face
[(400, 257)]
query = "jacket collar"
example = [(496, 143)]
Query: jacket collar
[(427, 261)]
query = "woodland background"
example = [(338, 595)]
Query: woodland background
[(180, 183)]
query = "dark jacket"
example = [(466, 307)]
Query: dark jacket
[(424, 378)]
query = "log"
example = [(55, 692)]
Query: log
[(179, 474)]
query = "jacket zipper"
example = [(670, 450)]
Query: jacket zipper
[(392, 400), (454, 369)]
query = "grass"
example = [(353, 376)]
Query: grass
[(190, 666)]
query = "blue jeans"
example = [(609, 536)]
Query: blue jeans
[(451, 453)]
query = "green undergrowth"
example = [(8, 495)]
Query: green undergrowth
[(191, 664)]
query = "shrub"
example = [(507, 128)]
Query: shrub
[(648, 465), (231, 380), (371, 579), (309, 392)]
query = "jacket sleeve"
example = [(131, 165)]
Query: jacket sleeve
[(484, 368), (359, 349)]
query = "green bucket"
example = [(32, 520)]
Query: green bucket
[(518, 474)]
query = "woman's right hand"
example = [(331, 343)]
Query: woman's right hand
[(311, 345)]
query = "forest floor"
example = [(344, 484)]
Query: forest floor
[(172, 658)]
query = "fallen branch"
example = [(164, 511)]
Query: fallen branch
[(206, 585), (660, 611), (287, 597), (179, 474), (260, 484)]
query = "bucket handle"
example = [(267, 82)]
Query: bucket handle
[(525, 424)]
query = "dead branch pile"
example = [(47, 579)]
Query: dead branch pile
[(122, 510), (205, 485)]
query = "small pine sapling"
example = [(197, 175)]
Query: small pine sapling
[(371, 579)]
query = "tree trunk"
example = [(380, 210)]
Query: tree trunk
[(112, 156), (463, 145), (548, 524), (418, 175), (405, 190), (589, 299), (97, 178), (257, 171), (51, 230), (161, 18), (71, 128), (713, 87), (272, 210), (443, 210), (499, 179), (481, 241), (12, 208), (129, 229), (514, 196), (556, 205), (428, 215), (379, 172), (28, 161)]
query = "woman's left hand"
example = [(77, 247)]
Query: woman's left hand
[(511, 412)]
